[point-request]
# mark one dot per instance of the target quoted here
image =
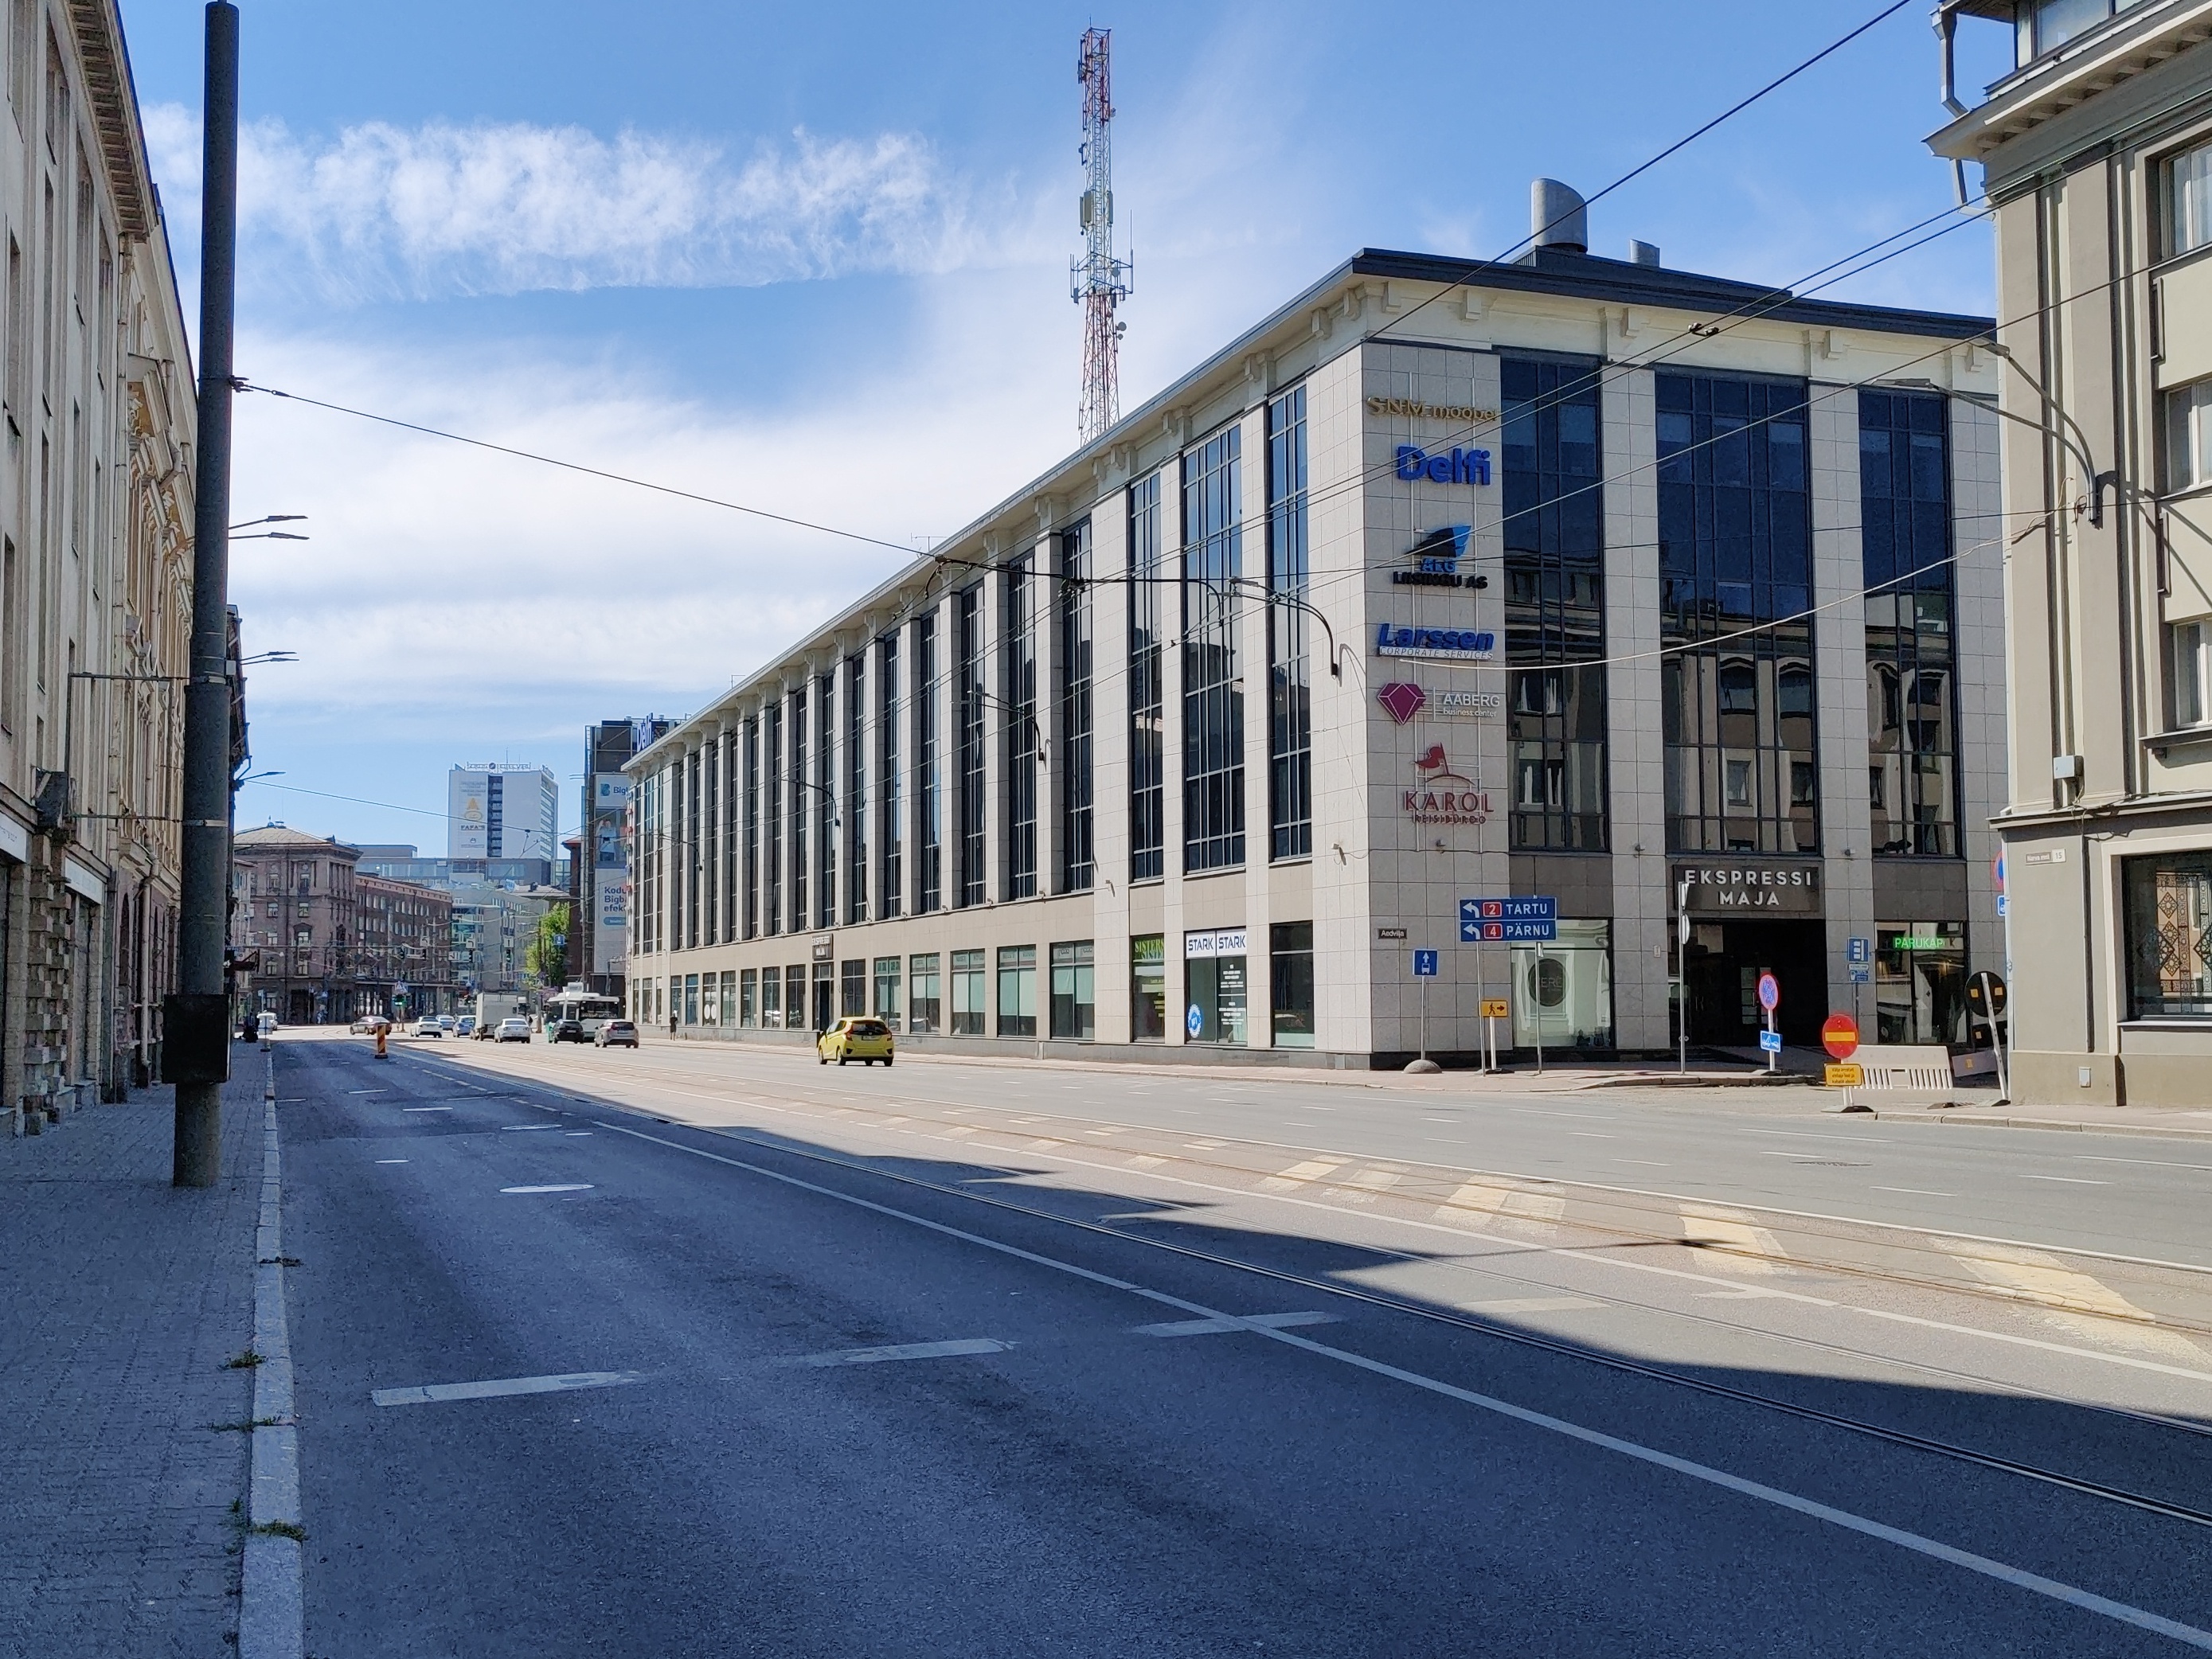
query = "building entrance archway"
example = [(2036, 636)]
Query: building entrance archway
[(1721, 968)]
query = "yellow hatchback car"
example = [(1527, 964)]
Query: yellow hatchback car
[(855, 1038)]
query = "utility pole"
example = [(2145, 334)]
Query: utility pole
[(196, 1045)]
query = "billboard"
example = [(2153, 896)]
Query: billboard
[(610, 800), (610, 921), (468, 815)]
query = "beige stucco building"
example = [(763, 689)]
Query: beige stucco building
[(1445, 582), (2097, 151)]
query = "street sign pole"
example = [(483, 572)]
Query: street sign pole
[(1682, 976), (1536, 1010)]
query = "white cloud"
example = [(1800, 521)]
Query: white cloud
[(383, 212)]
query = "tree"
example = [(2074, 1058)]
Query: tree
[(545, 961)]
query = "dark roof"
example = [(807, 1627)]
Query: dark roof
[(1588, 275)]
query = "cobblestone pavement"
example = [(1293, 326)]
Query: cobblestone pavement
[(122, 1300)]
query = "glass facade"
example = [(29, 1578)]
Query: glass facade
[(1905, 512), (798, 807), (749, 996), (1017, 991), (1075, 992), (1920, 981), (924, 1009), (890, 829), (1148, 988), (823, 805), (1289, 668), (929, 772), (1073, 608), (856, 809), (772, 816), (771, 999), (852, 987), (1291, 983), (2169, 926), (1735, 594), (1213, 693), (968, 994), (1017, 693), (886, 1007), (1147, 695), (968, 708), (1563, 992), (1215, 987), (1554, 525)]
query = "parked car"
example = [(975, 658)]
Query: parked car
[(446, 1022), (514, 1028), (429, 1026), (465, 1025), (617, 1034), (566, 1030), (865, 1040)]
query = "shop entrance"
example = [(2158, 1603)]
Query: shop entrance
[(1721, 969)]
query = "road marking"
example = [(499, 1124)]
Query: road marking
[(391, 1160), (2077, 1299), (426, 1108), (1480, 1202), (1645, 1161), (1986, 1566), (1808, 1134), (1216, 1327), (561, 1186), (1917, 1192), (1298, 1173), (369, 1092), (432, 1393), (1372, 1182), (2071, 1181), (1145, 1161), (528, 1128), (1746, 1248), (575, 1134), (1591, 1135), (2148, 1163), (1528, 1304), (970, 1344)]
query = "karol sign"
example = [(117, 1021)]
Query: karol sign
[(1441, 796)]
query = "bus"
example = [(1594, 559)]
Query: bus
[(586, 1007)]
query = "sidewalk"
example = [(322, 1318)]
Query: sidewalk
[(122, 1300)]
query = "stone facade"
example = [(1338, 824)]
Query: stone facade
[(298, 915)]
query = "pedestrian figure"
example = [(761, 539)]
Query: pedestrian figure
[(671, 1025)]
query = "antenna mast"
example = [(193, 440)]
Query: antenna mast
[(1101, 282)]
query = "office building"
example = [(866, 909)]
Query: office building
[(2096, 152), (500, 812), (1576, 577), (598, 933)]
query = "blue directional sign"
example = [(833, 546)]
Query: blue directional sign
[(1508, 932), (1770, 1041), (1862, 976), (1425, 964), (1862, 950), (1508, 920), (2002, 899)]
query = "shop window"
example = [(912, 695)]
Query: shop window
[(852, 987), (924, 1011), (1148, 988), (1563, 991), (887, 991), (729, 998), (2169, 911), (749, 997), (690, 999), (968, 994), (794, 998), (1215, 985), (1920, 981), (1074, 995), (1291, 983), (1017, 991)]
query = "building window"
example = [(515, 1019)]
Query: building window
[(1735, 597), (890, 830), (2189, 201), (929, 793), (1073, 605), (1147, 753), (2169, 905), (1290, 670), (1212, 699), (1905, 512), (852, 987), (794, 996), (968, 994), (855, 812), (1017, 1008), (1215, 986), (1920, 981), (1018, 709), (2191, 654), (2042, 26), (1554, 603), (772, 998), (923, 1005), (2189, 436), (690, 999), (1148, 988), (823, 805), (1563, 992), (1075, 992), (886, 1007), (749, 996), (751, 874), (968, 673), (1291, 983)]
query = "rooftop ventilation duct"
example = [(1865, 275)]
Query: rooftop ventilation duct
[(1558, 217), (1643, 253)]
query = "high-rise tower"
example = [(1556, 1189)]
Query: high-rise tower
[(1101, 280)]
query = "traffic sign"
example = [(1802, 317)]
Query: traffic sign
[(1425, 964), (1985, 995), (1839, 1035), (1770, 1041), (1770, 992), (1195, 1021), (1497, 1008), (1862, 950), (1998, 871), (1508, 910), (1862, 976), (1508, 932), (2004, 903), (1840, 1076)]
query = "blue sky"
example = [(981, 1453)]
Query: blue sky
[(815, 258)]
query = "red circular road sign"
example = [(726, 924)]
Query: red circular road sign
[(1770, 992), (1839, 1035)]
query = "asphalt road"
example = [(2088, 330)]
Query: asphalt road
[(946, 1379)]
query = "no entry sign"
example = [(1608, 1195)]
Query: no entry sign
[(1839, 1035)]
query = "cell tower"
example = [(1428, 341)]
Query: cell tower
[(1101, 282)]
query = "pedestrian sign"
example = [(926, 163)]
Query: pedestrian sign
[(1862, 976), (1497, 1008), (1770, 1041), (1425, 964), (1195, 1021)]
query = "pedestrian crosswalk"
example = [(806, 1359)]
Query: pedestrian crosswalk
[(1737, 1242)]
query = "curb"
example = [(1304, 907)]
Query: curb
[(272, 1610), (2154, 1131)]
